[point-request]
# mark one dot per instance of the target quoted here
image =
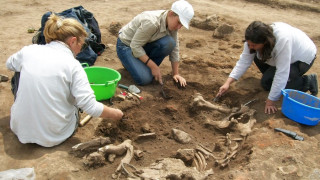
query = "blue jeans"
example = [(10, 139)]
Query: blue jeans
[(156, 50)]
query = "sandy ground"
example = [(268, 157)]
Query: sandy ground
[(206, 63)]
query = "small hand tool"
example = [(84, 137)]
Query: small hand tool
[(138, 96), (215, 99), (290, 133), (253, 100), (85, 120), (131, 88), (162, 91)]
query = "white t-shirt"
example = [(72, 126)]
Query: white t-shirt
[(292, 45), (52, 84)]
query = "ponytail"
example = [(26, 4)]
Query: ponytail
[(57, 28)]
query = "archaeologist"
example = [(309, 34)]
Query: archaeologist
[(53, 86), (151, 36), (283, 54)]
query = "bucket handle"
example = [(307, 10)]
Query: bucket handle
[(285, 94), (111, 82), (84, 65)]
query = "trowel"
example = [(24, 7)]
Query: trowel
[(131, 88)]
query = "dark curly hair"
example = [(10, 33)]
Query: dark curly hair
[(261, 33)]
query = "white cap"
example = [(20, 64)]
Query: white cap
[(184, 10)]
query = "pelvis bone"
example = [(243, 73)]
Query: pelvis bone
[(240, 121)]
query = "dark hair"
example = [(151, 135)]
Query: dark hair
[(261, 33)]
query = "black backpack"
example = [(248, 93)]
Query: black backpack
[(86, 18)]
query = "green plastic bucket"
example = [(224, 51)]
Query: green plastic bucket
[(103, 81)]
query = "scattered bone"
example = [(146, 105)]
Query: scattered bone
[(229, 123), (246, 129), (130, 171), (239, 122), (199, 101), (205, 152), (138, 154), (146, 136), (81, 149), (111, 157), (120, 149), (205, 148), (196, 164), (201, 163), (168, 168), (204, 163), (181, 136), (233, 147)]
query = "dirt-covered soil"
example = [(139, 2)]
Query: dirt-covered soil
[(209, 50)]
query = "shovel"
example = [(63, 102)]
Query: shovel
[(131, 88)]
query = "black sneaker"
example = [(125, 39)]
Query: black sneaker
[(313, 84)]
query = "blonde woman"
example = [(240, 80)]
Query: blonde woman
[(53, 86)]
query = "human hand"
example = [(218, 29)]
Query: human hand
[(118, 114), (180, 79), (155, 70), (224, 88), (112, 113), (270, 107)]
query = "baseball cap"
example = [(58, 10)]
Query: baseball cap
[(184, 10)]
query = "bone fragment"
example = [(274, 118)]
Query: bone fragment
[(199, 101), (218, 124), (113, 149), (81, 149), (246, 129), (234, 148), (111, 157), (205, 148), (203, 160), (138, 154), (201, 164), (146, 136), (120, 149), (196, 164), (204, 151), (128, 156)]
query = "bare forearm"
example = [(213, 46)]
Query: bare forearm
[(175, 68)]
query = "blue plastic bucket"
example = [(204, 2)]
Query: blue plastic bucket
[(301, 107)]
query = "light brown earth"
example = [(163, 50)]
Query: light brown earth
[(206, 63)]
